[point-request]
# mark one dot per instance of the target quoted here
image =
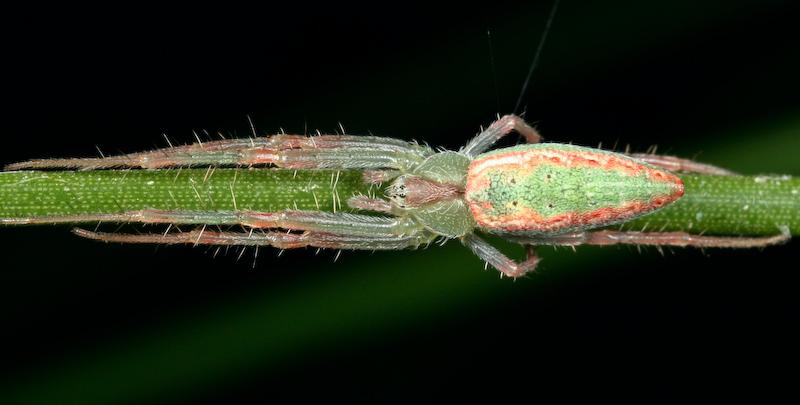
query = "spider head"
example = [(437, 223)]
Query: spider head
[(411, 191)]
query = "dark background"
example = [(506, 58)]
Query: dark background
[(93, 321)]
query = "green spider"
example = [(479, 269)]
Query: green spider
[(533, 194)]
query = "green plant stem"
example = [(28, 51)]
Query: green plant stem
[(729, 205), (41, 195), (722, 205)]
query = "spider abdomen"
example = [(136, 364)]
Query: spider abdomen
[(554, 188)]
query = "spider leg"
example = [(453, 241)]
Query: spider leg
[(285, 151), (676, 164), (281, 219), (295, 220), (333, 223), (679, 239), (299, 229), (498, 260), (278, 239), (498, 129)]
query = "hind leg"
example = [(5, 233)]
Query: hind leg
[(675, 164), (678, 239)]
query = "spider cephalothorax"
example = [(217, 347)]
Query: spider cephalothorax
[(414, 191), (533, 194)]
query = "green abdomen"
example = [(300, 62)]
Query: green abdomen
[(552, 188)]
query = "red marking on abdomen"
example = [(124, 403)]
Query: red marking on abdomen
[(531, 221), (529, 160)]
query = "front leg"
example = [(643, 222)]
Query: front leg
[(294, 220), (498, 260), (283, 229), (500, 128), (277, 239), (284, 151)]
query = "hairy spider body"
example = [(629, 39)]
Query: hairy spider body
[(533, 194)]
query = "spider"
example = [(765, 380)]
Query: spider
[(533, 194)]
